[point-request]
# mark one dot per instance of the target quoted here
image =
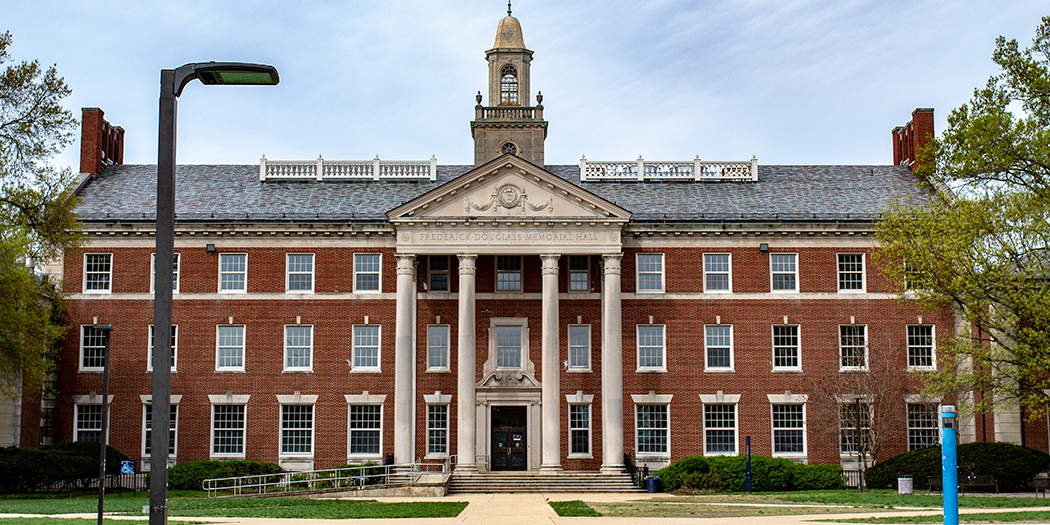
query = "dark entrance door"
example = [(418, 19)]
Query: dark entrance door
[(508, 438)]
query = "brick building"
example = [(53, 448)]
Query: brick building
[(513, 314)]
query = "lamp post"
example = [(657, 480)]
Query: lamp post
[(860, 444), (949, 467), (172, 81), (105, 329)]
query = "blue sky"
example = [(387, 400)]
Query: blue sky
[(791, 82)]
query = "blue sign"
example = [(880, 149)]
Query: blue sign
[(127, 466)]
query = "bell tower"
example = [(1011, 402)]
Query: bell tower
[(509, 124)]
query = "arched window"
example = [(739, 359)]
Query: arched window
[(509, 147), (508, 85)]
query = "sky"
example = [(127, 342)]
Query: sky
[(789, 81)]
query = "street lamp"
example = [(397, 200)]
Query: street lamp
[(105, 329), (172, 81)]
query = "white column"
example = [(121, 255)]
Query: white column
[(466, 421), (550, 461), (612, 367), (404, 362)]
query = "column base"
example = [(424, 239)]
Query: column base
[(613, 470), (550, 469)]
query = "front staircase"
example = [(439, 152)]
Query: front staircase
[(566, 481)]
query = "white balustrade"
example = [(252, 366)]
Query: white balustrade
[(374, 169), (695, 170)]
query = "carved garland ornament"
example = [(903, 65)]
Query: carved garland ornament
[(509, 196)]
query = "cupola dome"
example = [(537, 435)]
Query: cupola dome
[(508, 34)]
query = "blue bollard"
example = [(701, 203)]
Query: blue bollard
[(949, 467)]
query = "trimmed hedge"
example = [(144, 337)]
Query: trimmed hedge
[(1010, 464), (191, 476), (74, 464), (729, 474)]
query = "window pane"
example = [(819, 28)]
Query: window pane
[(437, 429), (366, 272), (579, 346), (300, 272), (852, 344), (173, 417), (650, 271), (437, 346), (720, 429), (652, 428), (297, 428), (93, 344), (784, 271), (716, 272), (851, 271), (788, 424), (508, 347), (785, 347), (650, 346), (228, 429), (365, 424), (89, 423), (232, 271), (298, 346), (508, 273), (719, 351), (920, 346), (580, 429), (231, 347), (96, 271), (366, 347), (923, 429)]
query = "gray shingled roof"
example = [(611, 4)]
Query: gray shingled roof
[(228, 192)]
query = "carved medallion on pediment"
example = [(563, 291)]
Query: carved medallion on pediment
[(509, 196)]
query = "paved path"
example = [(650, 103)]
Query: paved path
[(532, 509)]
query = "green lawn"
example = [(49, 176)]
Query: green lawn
[(890, 498), (1026, 516), (75, 521)]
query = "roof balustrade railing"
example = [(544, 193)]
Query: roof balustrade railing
[(322, 169), (696, 170)]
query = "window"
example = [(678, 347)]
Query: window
[(98, 272), (509, 147), (580, 429), (508, 85), (366, 347), (853, 344), (147, 423), (719, 430), (718, 345), (785, 348), (650, 272), (579, 273), (92, 349), (508, 273), (920, 346), (174, 347), (922, 426), (438, 273), (651, 429), (233, 272), (174, 273), (717, 276), (508, 347), (297, 430), (848, 426), (298, 348), (437, 347), (89, 423), (579, 347), (437, 429), (851, 272), (366, 272), (651, 347), (789, 430), (229, 353), (227, 430), (784, 272), (366, 428), (300, 273)]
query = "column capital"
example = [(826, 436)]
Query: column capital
[(612, 263), (549, 263), (406, 263), (466, 263)]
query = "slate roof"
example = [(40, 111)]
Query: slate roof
[(225, 193)]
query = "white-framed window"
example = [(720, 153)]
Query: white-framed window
[(366, 431), (783, 272), (580, 430), (92, 349), (786, 353), (579, 347), (720, 431), (298, 348), (923, 429), (651, 348), (297, 430), (508, 346), (229, 347), (508, 273), (98, 272), (437, 348), (437, 430), (920, 346), (718, 274), (650, 272), (651, 429), (366, 347), (147, 429), (851, 272), (227, 430), (174, 348), (848, 434), (233, 272), (367, 274), (853, 346), (789, 430), (438, 268), (153, 273), (88, 425), (718, 347), (579, 273), (300, 273)]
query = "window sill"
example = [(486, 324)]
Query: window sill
[(922, 368), (229, 371), (150, 371), (298, 292), (578, 370), (226, 457), (233, 292), (90, 371), (368, 291), (718, 292), (297, 371), (651, 371), (438, 371), (365, 371), (649, 292), (848, 369), (436, 456), (719, 371), (580, 456), (786, 371), (363, 458), (716, 454), (95, 292)]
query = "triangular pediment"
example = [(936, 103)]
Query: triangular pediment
[(509, 187)]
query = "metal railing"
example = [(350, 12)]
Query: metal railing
[(321, 169), (695, 170), (358, 476), (508, 112), (851, 478)]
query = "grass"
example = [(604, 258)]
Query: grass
[(195, 505), (574, 508), (1027, 516), (890, 498), (75, 521)]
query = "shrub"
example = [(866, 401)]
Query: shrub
[(729, 474), (73, 464), (818, 477), (671, 475), (1010, 464), (191, 476)]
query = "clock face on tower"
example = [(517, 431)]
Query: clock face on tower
[(510, 148)]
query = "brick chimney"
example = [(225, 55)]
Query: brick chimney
[(101, 144), (910, 138)]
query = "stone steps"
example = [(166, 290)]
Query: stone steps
[(520, 482)]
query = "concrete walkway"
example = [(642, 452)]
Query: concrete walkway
[(530, 509)]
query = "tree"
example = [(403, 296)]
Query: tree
[(37, 219), (981, 244)]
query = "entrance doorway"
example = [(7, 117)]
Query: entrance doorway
[(509, 446)]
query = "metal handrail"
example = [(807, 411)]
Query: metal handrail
[(343, 477)]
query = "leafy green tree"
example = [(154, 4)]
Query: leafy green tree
[(981, 246), (37, 221)]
